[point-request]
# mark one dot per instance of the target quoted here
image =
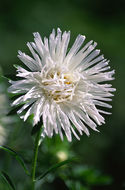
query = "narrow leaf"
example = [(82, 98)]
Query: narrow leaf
[(18, 158), (15, 96), (37, 127), (8, 180), (14, 110), (11, 77), (54, 167)]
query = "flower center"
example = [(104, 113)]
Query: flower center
[(60, 86)]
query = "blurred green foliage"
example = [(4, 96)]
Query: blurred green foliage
[(102, 155)]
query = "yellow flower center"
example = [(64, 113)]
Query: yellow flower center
[(59, 86)]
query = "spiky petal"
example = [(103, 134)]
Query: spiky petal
[(64, 88)]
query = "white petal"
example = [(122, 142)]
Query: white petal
[(84, 117), (76, 46), (58, 43), (36, 57), (89, 63), (38, 110), (100, 77), (103, 104), (28, 61), (78, 124), (18, 101), (64, 121), (79, 60), (29, 112), (25, 106)]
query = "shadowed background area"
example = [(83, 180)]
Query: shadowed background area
[(101, 21)]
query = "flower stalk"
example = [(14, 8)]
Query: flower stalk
[(35, 156)]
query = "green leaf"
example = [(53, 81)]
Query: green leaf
[(14, 110), (18, 158), (8, 180), (16, 66), (15, 96), (11, 77), (54, 167), (37, 127)]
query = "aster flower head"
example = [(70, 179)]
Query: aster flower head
[(65, 88)]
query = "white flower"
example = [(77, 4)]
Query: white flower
[(63, 87)]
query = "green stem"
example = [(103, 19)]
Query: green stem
[(34, 162)]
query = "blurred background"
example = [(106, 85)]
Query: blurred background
[(101, 156)]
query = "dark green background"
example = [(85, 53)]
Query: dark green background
[(102, 21)]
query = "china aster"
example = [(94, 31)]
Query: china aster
[(66, 88)]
